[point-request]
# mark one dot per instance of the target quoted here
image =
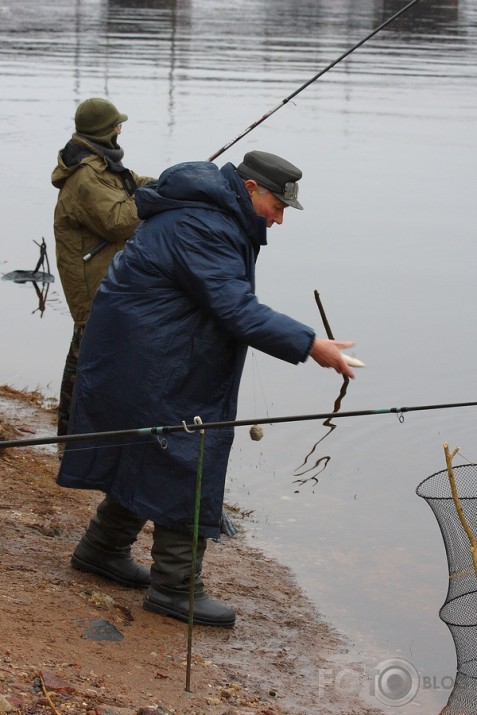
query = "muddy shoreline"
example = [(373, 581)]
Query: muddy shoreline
[(58, 654)]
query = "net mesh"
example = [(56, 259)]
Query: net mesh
[(459, 611)]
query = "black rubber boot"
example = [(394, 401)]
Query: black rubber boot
[(175, 603), (168, 593), (105, 548)]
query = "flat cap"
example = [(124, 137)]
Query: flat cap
[(273, 173)]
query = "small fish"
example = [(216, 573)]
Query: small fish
[(352, 361)]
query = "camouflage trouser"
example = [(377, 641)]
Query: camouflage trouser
[(68, 381)]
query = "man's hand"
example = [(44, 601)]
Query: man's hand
[(327, 354)]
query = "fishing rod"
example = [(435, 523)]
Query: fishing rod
[(314, 78), (196, 426), (88, 256)]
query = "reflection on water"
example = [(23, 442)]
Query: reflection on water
[(40, 283), (321, 462), (236, 42), (438, 18), (40, 278), (385, 142)]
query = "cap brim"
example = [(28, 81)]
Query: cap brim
[(122, 118), (289, 202)]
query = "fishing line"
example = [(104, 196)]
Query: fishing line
[(168, 429), (313, 79), (469, 461), (256, 432)]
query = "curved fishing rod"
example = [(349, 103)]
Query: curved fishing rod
[(313, 79), (196, 426), (88, 256)]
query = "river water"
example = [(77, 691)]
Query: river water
[(386, 141)]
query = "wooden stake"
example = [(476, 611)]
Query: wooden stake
[(458, 505)]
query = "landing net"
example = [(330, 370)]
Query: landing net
[(459, 611)]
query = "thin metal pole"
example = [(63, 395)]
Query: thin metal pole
[(195, 541), (167, 429), (313, 79)]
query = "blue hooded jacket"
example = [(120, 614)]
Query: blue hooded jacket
[(166, 341)]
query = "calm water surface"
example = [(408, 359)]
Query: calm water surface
[(387, 144)]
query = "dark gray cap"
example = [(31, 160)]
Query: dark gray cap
[(273, 173)]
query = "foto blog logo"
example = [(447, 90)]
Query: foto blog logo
[(395, 682)]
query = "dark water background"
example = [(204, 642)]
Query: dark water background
[(387, 144)]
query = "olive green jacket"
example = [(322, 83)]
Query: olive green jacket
[(93, 206)]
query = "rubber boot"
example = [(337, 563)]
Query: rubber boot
[(168, 593), (105, 548)]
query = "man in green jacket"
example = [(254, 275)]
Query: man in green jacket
[(94, 216)]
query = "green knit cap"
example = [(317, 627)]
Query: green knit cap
[(96, 118)]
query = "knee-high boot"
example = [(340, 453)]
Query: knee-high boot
[(168, 593), (105, 548)]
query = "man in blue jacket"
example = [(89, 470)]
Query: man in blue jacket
[(165, 341)]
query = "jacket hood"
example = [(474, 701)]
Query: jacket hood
[(203, 185), (80, 151), (62, 172)]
